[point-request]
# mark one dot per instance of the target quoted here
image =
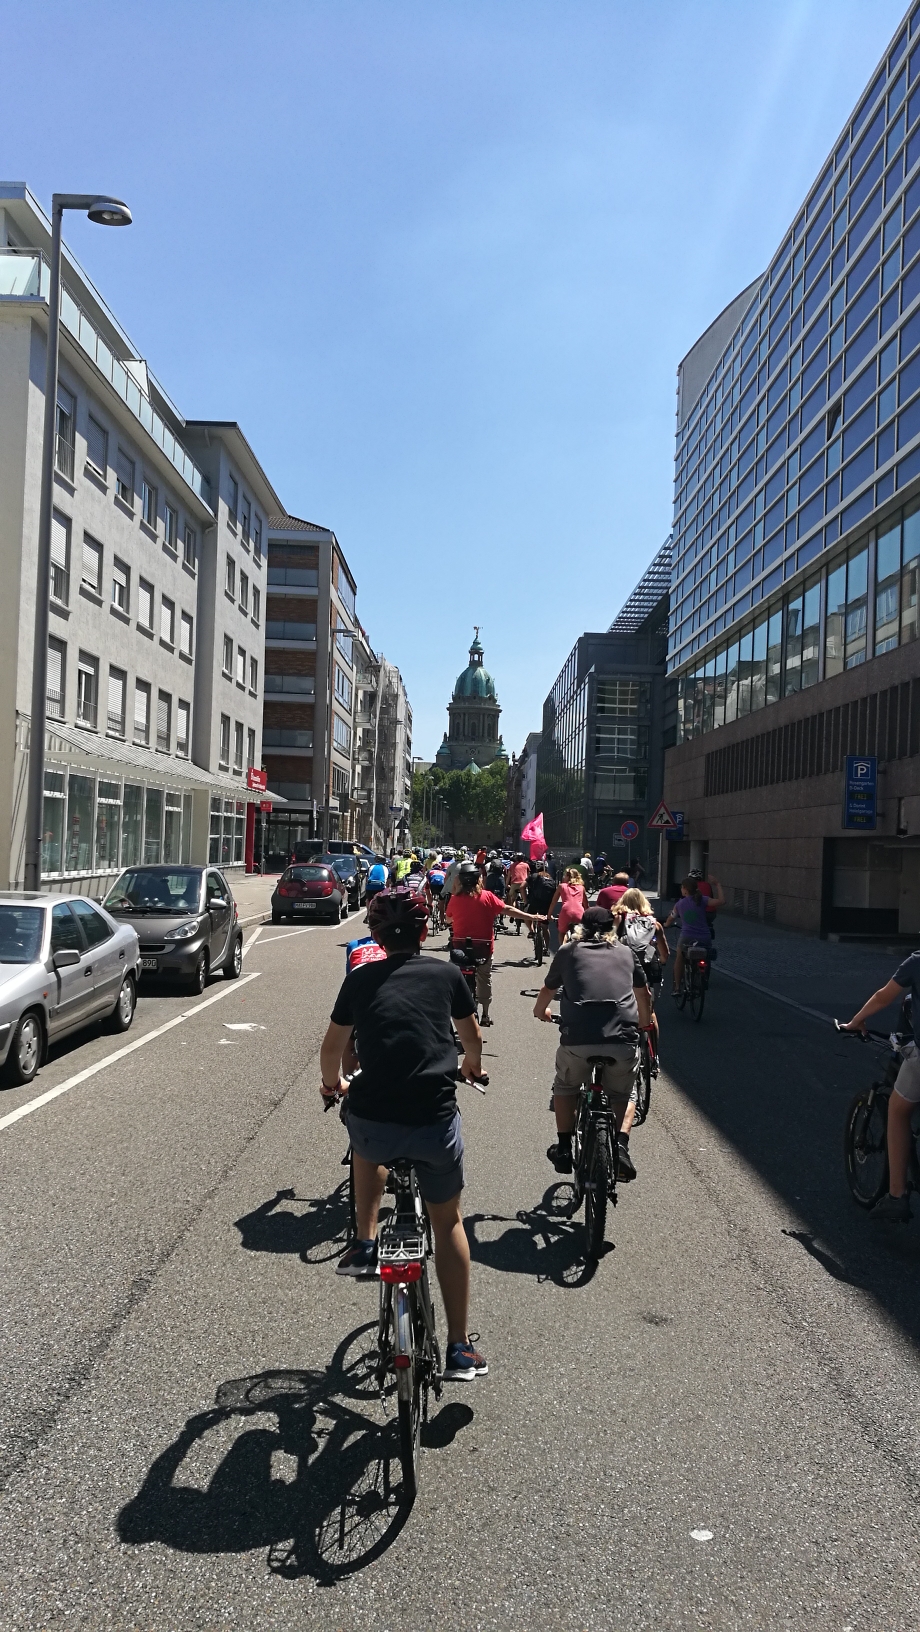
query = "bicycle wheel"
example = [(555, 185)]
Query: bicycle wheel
[(538, 943), (697, 994), (597, 1168), (865, 1148), (643, 1082), (408, 1389), (683, 990)]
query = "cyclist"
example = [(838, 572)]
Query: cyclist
[(403, 1104), (613, 893), (517, 876), (604, 1002), (416, 879), (644, 934), (690, 913), (573, 901), (376, 879), (711, 891), (435, 883), (894, 1208), (401, 866), (471, 915)]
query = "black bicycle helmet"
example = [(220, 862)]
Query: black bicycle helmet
[(397, 914)]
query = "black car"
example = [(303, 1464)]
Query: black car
[(186, 921), (353, 876), (310, 892)]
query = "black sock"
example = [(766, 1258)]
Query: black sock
[(564, 1138), (623, 1138)]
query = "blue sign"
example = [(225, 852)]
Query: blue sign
[(630, 830), (677, 831), (860, 791)]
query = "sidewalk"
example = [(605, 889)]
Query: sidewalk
[(834, 978), (252, 894)]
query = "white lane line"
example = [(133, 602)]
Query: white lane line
[(288, 933), (253, 938), (120, 1053), (778, 997)]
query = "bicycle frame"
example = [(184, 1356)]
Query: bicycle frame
[(406, 1340)]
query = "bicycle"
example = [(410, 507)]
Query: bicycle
[(865, 1134), (646, 1071), (468, 955), (695, 980), (594, 1159), (540, 937), (438, 920)]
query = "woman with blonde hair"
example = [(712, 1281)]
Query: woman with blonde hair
[(573, 901), (638, 925)]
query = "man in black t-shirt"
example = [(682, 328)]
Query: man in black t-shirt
[(604, 1001), (894, 1206), (397, 1016)]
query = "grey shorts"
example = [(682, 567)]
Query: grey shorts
[(573, 1068), (435, 1150), (907, 1082)]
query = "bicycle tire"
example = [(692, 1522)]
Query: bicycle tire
[(697, 996), (643, 1083), (865, 1149), (597, 1169), (682, 992)]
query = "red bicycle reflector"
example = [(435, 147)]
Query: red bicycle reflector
[(402, 1362), (399, 1274)]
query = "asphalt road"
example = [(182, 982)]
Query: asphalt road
[(716, 1430)]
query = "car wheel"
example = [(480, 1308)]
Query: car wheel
[(276, 918), (25, 1055), (123, 1012), (233, 967), (198, 979)]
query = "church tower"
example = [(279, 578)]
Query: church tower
[(472, 740)]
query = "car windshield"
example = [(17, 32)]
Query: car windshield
[(169, 894), (20, 933), (306, 875)]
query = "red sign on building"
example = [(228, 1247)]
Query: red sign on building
[(256, 778)]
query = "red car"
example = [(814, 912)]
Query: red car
[(309, 892)]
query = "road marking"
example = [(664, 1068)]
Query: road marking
[(701, 1535), (289, 932), (120, 1053), (813, 1014), (253, 938)]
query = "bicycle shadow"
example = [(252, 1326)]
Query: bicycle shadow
[(544, 1242), (291, 1462), (325, 1223)]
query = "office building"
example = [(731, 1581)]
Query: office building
[(156, 592), (383, 750), (600, 761), (797, 543)]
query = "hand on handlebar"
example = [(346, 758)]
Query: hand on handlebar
[(851, 1027), (470, 1074), (331, 1096)]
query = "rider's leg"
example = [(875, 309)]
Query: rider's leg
[(678, 968), (484, 987), (369, 1186), (452, 1263), (900, 1111)]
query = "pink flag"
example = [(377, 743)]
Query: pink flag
[(534, 829)]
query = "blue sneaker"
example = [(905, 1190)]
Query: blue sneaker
[(360, 1261), (464, 1363)]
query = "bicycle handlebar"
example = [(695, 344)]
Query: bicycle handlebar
[(869, 1035)]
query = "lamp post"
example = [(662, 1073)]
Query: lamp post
[(106, 212)]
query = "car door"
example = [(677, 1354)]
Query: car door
[(108, 954), (216, 889), (74, 992)]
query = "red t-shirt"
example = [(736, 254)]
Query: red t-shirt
[(610, 896), (517, 872), (473, 916)]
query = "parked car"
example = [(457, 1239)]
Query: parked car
[(186, 920), (64, 963), (349, 871), (309, 890)]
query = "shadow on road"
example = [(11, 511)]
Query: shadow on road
[(316, 1235), (543, 1241), (293, 1461)]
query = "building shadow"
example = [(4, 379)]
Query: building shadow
[(544, 1242), (776, 1085), (302, 1463)]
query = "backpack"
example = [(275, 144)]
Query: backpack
[(640, 933)]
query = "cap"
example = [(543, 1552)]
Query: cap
[(598, 919)]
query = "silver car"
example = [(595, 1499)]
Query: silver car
[(64, 963)]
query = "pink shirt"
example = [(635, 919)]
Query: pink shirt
[(572, 906)]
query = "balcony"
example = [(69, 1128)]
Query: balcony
[(26, 275), (275, 629)]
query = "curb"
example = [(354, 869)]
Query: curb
[(255, 918)]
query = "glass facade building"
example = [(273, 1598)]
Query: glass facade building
[(798, 440)]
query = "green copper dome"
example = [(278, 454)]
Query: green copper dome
[(475, 682)]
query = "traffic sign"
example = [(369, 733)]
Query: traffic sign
[(678, 831), (662, 820), (630, 830), (860, 791)]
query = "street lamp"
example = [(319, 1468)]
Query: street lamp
[(106, 212)]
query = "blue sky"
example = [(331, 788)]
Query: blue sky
[(441, 260)]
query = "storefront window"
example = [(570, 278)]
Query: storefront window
[(226, 836), (909, 570), (79, 850), (186, 828), (153, 824), (131, 825), (108, 823), (172, 827), (53, 823), (239, 829), (214, 835)]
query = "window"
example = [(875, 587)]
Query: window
[(132, 821), (257, 538), (144, 604), (118, 693), (121, 585), (803, 618), (57, 664), (238, 746), (245, 519), (342, 687), (845, 637), (250, 748), (233, 504), (149, 505), (346, 593), (91, 575), (78, 854), (224, 750), (66, 433), (244, 593), (240, 666), (341, 734), (301, 685), (887, 583), (275, 629), (171, 528), (339, 782), (65, 936), (256, 604), (164, 721), (228, 657), (230, 580), (186, 633), (108, 824), (153, 822), (53, 829), (293, 577), (97, 446), (142, 713), (172, 826), (87, 690), (910, 554), (95, 927), (60, 558), (183, 716), (190, 548), (124, 478), (254, 675), (167, 622)]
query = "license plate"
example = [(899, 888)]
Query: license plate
[(149, 963), (304, 906)]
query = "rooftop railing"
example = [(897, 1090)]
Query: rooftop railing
[(25, 274)]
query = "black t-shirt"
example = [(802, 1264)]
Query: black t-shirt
[(598, 1003), (540, 892), (401, 1011)]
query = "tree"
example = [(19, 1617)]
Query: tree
[(468, 796)]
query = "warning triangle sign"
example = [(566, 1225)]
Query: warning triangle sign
[(662, 820)]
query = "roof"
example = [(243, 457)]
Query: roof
[(230, 431), (62, 740), (652, 586), (293, 524)]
